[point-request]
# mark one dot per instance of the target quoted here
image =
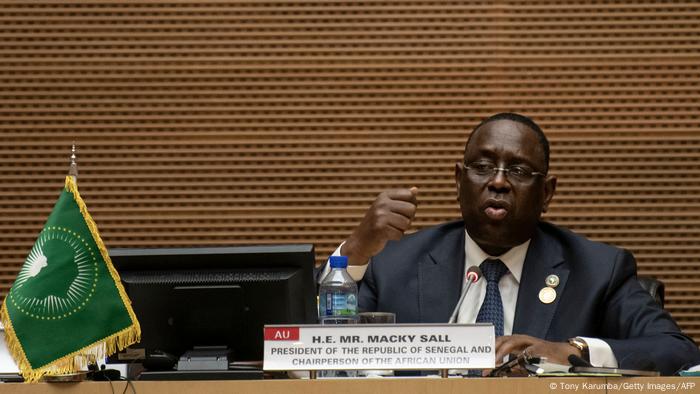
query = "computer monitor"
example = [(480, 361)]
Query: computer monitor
[(216, 296)]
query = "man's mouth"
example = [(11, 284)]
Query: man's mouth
[(496, 209)]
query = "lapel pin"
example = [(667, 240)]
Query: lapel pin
[(552, 281), (547, 295)]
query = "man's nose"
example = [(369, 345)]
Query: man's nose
[(499, 180)]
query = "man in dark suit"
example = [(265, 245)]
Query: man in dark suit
[(548, 291)]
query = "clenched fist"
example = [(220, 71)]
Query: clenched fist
[(388, 217)]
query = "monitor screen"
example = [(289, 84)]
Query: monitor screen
[(217, 296)]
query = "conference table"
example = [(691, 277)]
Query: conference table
[(510, 385)]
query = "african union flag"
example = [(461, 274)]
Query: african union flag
[(67, 305)]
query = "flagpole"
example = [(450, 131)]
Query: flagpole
[(73, 171)]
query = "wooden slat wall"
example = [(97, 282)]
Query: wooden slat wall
[(228, 122)]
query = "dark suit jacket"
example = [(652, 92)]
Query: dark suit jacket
[(420, 279)]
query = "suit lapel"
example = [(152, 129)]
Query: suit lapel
[(440, 274), (544, 257)]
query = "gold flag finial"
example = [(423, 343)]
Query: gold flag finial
[(73, 171)]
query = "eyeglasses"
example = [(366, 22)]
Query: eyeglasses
[(485, 170)]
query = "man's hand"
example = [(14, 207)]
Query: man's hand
[(387, 219), (556, 352)]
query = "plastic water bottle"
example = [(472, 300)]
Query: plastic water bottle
[(338, 302), (338, 294)]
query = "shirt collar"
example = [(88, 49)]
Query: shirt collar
[(513, 259)]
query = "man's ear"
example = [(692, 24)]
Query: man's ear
[(550, 185), (459, 169)]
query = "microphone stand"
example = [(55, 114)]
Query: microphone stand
[(473, 276)]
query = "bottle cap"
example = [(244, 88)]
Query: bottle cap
[(339, 261)]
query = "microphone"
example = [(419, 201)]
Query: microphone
[(473, 276)]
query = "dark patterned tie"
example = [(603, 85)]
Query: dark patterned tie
[(492, 308)]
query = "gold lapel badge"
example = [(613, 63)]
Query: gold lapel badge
[(548, 294)]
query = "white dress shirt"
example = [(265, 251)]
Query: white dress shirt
[(601, 355), (508, 285)]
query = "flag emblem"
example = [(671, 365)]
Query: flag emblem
[(41, 291)]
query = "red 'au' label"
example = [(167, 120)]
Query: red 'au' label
[(281, 333)]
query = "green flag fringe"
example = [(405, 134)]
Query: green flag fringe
[(71, 363)]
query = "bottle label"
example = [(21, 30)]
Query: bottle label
[(340, 304)]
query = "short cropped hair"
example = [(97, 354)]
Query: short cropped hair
[(522, 119)]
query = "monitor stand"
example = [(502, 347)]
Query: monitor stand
[(205, 363), (205, 358)]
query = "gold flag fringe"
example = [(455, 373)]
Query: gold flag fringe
[(100, 349), (69, 363), (72, 187)]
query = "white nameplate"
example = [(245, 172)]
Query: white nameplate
[(379, 346)]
